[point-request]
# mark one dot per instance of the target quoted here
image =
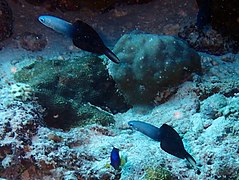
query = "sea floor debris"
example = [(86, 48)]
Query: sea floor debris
[(207, 122)]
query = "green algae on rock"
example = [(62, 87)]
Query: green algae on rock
[(158, 174), (65, 88)]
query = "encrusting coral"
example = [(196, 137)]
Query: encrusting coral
[(21, 91), (65, 89), (158, 174)]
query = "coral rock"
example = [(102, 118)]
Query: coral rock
[(19, 122), (151, 64), (65, 88), (21, 91)]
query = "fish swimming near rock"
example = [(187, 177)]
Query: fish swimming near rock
[(169, 139), (115, 161), (83, 35)]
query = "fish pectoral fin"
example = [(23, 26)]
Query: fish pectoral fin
[(123, 160)]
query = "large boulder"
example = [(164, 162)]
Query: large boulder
[(151, 64)]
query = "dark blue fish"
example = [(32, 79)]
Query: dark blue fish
[(115, 159), (86, 38), (172, 143), (82, 34), (169, 139)]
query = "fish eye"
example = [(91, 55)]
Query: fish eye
[(41, 19), (130, 124)]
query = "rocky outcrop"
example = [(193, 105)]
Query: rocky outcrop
[(152, 66)]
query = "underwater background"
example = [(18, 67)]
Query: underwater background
[(119, 90)]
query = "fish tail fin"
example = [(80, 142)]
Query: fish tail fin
[(111, 56), (191, 160)]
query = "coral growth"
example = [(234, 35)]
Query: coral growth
[(216, 29), (29, 150), (212, 105), (158, 174), (19, 123), (65, 88), (21, 91), (204, 110), (219, 77), (207, 122)]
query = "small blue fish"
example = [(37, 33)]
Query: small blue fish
[(115, 161)]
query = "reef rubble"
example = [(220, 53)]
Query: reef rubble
[(207, 122)]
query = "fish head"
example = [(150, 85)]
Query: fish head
[(44, 20)]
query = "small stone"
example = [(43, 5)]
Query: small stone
[(55, 138)]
